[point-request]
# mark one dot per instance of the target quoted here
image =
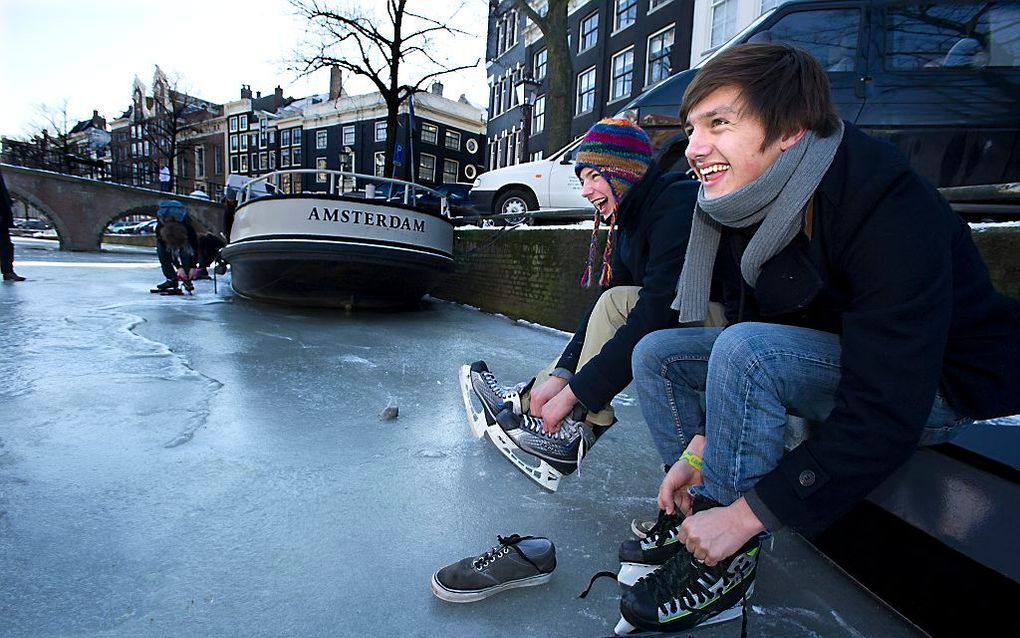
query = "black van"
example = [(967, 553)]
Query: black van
[(940, 79)]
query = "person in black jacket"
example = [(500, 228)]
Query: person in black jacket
[(6, 245), (865, 307), (176, 246), (648, 212)]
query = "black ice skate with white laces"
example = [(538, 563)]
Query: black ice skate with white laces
[(685, 593), (638, 558), (477, 380), (517, 561), (558, 453)]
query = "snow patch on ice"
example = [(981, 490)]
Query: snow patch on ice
[(356, 360)]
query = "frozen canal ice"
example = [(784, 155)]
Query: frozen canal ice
[(207, 466)]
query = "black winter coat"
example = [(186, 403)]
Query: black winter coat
[(893, 270), (652, 232)]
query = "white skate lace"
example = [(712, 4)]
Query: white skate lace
[(502, 392), (567, 431)]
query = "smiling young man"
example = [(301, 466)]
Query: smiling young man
[(649, 214), (865, 307)]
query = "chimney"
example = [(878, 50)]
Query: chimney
[(245, 91), (258, 94), (437, 88), (278, 92), (336, 82)]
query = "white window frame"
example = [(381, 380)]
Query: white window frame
[(263, 161), (321, 164), (544, 66), (232, 126), (379, 167), (613, 97), (244, 142), (538, 115), (234, 164), (380, 131), (421, 167), (456, 170), (321, 139), (296, 157), (728, 16), (244, 163), (285, 137), (272, 160), (295, 137), (648, 54), (284, 157), (349, 183), (655, 5), (242, 122), (234, 144), (433, 133), (581, 48), (347, 135), (616, 16), (449, 136), (199, 161), (577, 92)]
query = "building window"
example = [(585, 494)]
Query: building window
[(767, 5), (244, 163), (660, 49), (626, 14), (233, 164), (724, 21), (539, 65), (242, 122), (295, 157), (585, 91), (320, 139), (218, 163), (285, 138), (263, 161), (538, 116), (493, 149), (296, 137), (320, 164), (427, 167), (347, 165), (285, 183), (380, 131), (272, 160), (379, 162), (272, 136), (284, 158), (537, 155), (452, 140), (244, 142), (655, 4), (589, 32), (622, 81), (429, 133), (233, 143), (451, 171), (348, 136), (233, 125), (199, 161)]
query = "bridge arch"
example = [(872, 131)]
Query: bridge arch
[(81, 209)]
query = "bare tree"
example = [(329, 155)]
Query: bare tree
[(175, 118), (560, 75), (380, 50)]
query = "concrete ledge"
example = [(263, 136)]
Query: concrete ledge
[(130, 240)]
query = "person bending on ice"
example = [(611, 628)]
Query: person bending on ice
[(867, 309), (561, 413)]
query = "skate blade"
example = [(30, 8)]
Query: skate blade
[(544, 474), (476, 419)]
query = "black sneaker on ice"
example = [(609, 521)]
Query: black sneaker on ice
[(685, 593), (518, 561), (563, 449), (476, 380)]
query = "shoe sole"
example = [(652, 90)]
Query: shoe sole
[(456, 596)]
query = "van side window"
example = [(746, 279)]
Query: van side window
[(953, 36), (830, 35)]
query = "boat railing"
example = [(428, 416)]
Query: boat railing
[(344, 183)]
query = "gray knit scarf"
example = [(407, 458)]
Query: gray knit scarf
[(777, 199)]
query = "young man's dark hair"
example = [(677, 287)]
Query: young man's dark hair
[(757, 70)]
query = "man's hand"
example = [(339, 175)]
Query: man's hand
[(543, 394), (716, 534), (181, 274), (558, 408), (680, 477)]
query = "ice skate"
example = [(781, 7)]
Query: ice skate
[(477, 381), (169, 284), (638, 558)]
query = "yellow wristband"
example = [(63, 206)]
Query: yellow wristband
[(692, 459)]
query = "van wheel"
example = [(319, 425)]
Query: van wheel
[(515, 202)]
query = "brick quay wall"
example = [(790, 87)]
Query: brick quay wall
[(533, 274)]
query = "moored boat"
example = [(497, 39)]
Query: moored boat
[(361, 241)]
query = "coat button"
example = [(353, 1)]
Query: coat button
[(806, 478)]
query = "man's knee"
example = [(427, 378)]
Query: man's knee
[(741, 344), (615, 304)]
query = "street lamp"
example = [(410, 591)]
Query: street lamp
[(525, 91)]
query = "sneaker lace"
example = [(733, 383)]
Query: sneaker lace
[(502, 549)]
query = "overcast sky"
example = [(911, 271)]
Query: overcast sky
[(89, 52)]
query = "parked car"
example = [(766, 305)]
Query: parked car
[(31, 223), (121, 228), (458, 201), (145, 228), (939, 79), (199, 193)]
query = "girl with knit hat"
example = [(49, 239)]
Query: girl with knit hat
[(648, 216)]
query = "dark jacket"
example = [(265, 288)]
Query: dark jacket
[(6, 206), (652, 231), (186, 258), (893, 270)]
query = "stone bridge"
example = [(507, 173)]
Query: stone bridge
[(80, 209)]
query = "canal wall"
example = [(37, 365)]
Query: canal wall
[(533, 273)]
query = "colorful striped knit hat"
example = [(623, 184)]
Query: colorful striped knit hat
[(621, 152)]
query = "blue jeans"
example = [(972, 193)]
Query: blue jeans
[(751, 375)]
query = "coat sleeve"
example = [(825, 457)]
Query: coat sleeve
[(609, 371), (897, 267)]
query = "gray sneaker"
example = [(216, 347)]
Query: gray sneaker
[(518, 561)]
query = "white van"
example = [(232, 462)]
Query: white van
[(547, 184)]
